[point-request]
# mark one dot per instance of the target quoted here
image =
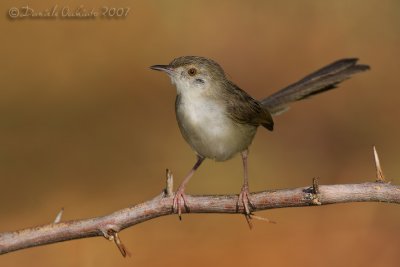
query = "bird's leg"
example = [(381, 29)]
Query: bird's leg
[(179, 198), (244, 196)]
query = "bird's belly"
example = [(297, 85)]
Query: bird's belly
[(211, 133)]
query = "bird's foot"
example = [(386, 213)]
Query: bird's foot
[(244, 199), (179, 202)]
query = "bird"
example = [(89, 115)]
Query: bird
[(219, 120)]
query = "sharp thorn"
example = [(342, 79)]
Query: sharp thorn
[(379, 173), (59, 216)]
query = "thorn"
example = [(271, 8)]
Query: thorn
[(380, 178), (113, 236), (315, 192), (315, 186), (59, 216), (121, 246), (168, 191)]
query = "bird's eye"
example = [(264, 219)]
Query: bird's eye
[(192, 71)]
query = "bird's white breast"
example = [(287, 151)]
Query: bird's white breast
[(206, 126)]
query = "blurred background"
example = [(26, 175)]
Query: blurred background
[(85, 125)]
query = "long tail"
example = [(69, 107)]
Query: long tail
[(317, 82)]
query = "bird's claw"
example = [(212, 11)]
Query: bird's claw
[(244, 199), (178, 202)]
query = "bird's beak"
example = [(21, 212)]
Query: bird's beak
[(166, 68)]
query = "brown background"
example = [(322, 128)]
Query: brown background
[(85, 125)]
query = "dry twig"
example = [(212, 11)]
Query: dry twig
[(110, 225)]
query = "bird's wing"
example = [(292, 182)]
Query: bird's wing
[(243, 109)]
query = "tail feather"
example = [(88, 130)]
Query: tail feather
[(317, 82)]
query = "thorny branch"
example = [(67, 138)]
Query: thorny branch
[(110, 225)]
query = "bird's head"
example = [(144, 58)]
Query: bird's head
[(190, 73)]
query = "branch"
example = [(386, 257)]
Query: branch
[(110, 225)]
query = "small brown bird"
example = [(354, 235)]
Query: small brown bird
[(219, 120)]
